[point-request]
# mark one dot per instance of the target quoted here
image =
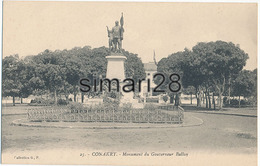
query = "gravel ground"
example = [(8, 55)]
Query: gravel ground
[(219, 133)]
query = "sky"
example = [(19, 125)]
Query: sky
[(166, 27)]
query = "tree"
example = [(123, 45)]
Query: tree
[(73, 72), (134, 68), (190, 90), (49, 70), (173, 64), (245, 84), (220, 60), (94, 65), (12, 84), (34, 75), (59, 72), (208, 67), (24, 76), (193, 74)]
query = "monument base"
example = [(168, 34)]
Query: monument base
[(115, 66), (116, 69), (128, 98)]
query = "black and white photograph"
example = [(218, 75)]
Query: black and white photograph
[(129, 83)]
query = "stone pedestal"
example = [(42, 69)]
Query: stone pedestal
[(115, 66), (116, 69)]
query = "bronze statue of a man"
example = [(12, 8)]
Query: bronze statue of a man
[(116, 36), (116, 31)]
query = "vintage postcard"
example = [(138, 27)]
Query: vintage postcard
[(129, 83)]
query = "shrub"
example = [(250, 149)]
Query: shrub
[(243, 102), (126, 107), (152, 100), (141, 100), (150, 107), (42, 101), (111, 102), (225, 100), (62, 102), (165, 98), (97, 107), (80, 108), (234, 102), (76, 107), (252, 101), (113, 95)]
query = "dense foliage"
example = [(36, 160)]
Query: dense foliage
[(209, 69), (57, 73)]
